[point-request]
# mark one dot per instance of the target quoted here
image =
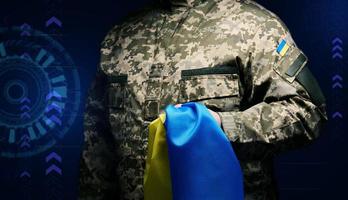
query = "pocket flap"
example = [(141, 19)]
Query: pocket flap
[(202, 87), (116, 91)]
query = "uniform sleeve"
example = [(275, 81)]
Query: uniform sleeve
[(278, 113), (97, 166)]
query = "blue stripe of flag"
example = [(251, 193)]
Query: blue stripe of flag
[(281, 46)]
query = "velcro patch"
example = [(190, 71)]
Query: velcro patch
[(290, 65), (283, 47)]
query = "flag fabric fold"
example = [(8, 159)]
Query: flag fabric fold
[(190, 158), (157, 182)]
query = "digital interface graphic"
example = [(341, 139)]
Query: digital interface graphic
[(40, 91)]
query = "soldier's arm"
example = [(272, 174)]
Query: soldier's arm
[(97, 166), (279, 113)]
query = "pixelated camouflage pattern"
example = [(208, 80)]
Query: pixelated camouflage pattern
[(262, 111)]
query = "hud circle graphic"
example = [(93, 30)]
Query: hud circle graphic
[(39, 92), (15, 90)]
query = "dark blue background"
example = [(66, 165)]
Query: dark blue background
[(318, 171)]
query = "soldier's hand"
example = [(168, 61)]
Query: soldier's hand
[(214, 114)]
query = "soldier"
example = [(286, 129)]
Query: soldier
[(235, 57)]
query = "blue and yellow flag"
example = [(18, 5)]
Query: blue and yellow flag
[(189, 157), (283, 47)]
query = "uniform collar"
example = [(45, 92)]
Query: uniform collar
[(186, 3)]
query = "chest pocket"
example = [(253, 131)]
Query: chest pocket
[(117, 91), (215, 87)]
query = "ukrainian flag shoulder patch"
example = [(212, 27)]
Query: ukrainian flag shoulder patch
[(283, 47)]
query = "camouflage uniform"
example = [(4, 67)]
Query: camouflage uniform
[(218, 52)]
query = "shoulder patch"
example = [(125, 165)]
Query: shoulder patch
[(283, 47), (290, 60)]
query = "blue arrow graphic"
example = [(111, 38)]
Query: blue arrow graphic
[(26, 56), (53, 106), (53, 168), (53, 155), (25, 99), (55, 119), (337, 40), (337, 114), (337, 48), (25, 137), (25, 174), (53, 94), (25, 33), (337, 77), (25, 26), (25, 144), (53, 20), (25, 107), (24, 140), (25, 115), (337, 56), (337, 85)]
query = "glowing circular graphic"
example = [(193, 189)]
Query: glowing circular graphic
[(15, 91), (39, 92)]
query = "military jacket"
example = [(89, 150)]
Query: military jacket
[(222, 53)]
